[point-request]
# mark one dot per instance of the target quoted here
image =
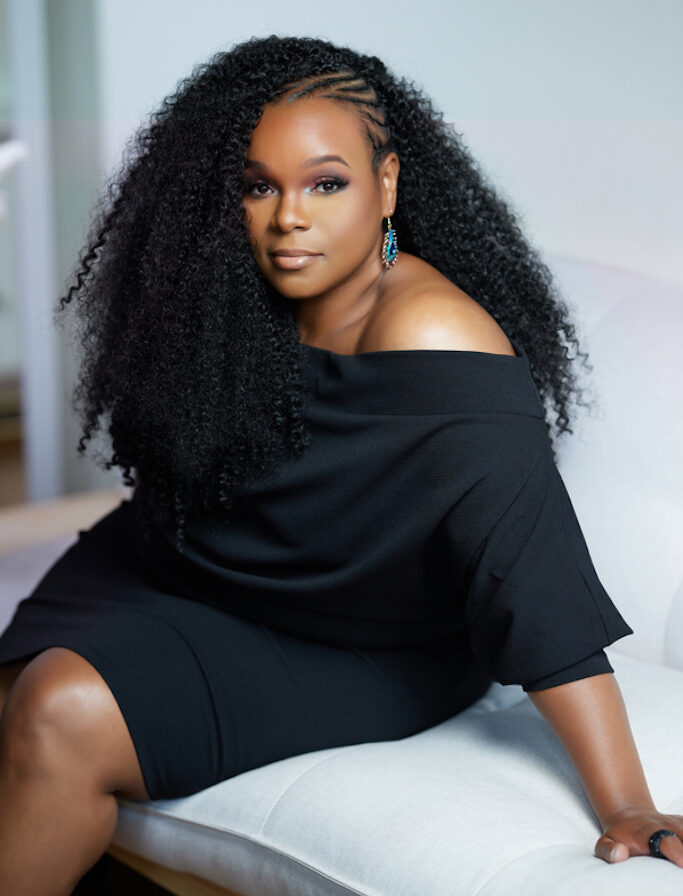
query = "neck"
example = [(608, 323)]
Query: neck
[(336, 316)]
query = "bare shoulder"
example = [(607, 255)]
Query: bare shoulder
[(424, 310)]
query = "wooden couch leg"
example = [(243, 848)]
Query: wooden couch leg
[(177, 882)]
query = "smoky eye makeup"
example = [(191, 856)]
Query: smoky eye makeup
[(337, 182), (323, 184), (251, 185)]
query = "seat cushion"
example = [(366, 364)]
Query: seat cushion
[(487, 802)]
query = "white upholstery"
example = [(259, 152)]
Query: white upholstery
[(452, 810), (623, 467), (21, 570), (486, 803)]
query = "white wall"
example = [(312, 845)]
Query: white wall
[(77, 162), (33, 247), (575, 110)]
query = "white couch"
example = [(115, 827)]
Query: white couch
[(486, 803)]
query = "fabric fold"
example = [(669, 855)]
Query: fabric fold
[(534, 603)]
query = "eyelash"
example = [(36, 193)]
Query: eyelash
[(337, 181)]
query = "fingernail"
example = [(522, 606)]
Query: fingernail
[(613, 854)]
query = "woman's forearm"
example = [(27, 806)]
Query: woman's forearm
[(589, 718)]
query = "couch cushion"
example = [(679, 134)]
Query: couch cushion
[(21, 570), (622, 465), (484, 803)]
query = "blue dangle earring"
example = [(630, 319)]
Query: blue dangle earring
[(389, 247)]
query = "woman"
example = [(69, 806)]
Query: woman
[(347, 520)]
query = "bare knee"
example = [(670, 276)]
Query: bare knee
[(51, 712), (61, 720)]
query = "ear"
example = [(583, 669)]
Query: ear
[(388, 178)]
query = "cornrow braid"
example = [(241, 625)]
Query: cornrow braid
[(347, 87)]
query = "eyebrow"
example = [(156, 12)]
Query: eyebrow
[(318, 160)]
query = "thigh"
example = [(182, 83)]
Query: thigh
[(207, 695), (278, 696)]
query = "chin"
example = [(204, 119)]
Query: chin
[(295, 294), (295, 287)]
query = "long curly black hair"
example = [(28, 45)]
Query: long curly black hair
[(193, 360)]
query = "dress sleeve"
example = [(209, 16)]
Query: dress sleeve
[(537, 614)]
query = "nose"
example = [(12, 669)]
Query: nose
[(290, 213)]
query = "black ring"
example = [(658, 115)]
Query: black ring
[(653, 842)]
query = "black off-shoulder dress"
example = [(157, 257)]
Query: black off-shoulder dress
[(422, 547)]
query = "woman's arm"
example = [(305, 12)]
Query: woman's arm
[(589, 717)]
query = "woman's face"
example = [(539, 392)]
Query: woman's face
[(310, 188)]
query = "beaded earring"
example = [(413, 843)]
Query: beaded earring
[(389, 247)]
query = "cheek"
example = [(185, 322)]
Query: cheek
[(356, 222)]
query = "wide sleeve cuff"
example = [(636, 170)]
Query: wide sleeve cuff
[(595, 664)]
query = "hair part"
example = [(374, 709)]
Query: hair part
[(346, 87)]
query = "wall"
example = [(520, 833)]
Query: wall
[(9, 324), (574, 110), (32, 237), (76, 124)]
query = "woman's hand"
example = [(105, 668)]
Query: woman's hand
[(626, 833)]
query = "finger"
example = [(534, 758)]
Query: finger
[(672, 849), (611, 850)]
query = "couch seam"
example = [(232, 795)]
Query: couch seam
[(291, 784), (524, 855)]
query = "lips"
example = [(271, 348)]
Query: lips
[(291, 253), (293, 259)]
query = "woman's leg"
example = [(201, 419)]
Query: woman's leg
[(65, 752)]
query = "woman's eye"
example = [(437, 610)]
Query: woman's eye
[(250, 188), (326, 185), (333, 182)]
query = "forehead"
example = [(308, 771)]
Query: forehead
[(308, 127)]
